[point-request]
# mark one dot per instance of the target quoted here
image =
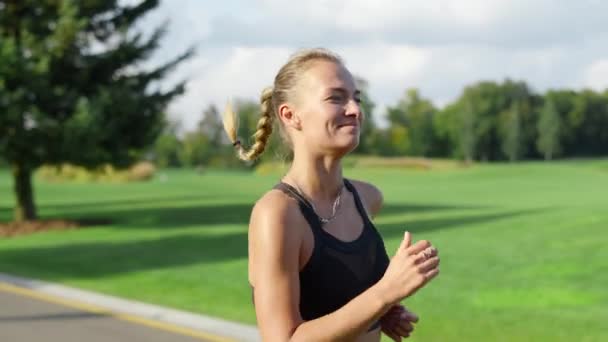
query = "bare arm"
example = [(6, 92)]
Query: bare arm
[(274, 245)]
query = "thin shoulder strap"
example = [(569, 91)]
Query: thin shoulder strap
[(358, 203), (305, 206)]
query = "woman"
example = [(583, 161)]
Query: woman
[(318, 267)]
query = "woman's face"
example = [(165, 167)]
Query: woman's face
[(327, 104)]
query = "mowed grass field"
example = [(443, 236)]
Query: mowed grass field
[(524, 247)]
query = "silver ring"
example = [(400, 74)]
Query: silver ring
[(428, 253)]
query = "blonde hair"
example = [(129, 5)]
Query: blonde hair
[(284, 84)]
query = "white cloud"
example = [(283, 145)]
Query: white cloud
[(596, 75), (437, 46), (226, 74), (514, 23)]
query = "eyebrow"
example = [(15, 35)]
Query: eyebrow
[(344, 91)]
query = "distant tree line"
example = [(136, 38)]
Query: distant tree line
[(490, 121)]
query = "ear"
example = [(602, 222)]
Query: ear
[(288, 116)]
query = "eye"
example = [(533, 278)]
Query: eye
[(336, 98)]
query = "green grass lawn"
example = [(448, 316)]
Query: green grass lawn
[(523, 247)]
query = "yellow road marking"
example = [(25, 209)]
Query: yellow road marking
[(125, 317)]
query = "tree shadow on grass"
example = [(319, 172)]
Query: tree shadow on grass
[(98, 259), (406, 208), (392, 230), (106, 212), (176, 217), (141, 200), (210, 214)]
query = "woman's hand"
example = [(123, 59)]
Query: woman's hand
[(410, 269), (398, 322)]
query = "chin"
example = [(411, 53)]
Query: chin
[(347, 146)]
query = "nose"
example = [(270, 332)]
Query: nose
[(353, 108)]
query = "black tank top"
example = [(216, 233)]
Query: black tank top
[(337, 271)]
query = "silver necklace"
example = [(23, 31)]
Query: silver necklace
[(334, 207)]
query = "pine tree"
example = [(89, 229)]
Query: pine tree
[(71, 89), (549, 124), (511, 142)]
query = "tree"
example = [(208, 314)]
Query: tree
[(195, 149), (549, 123), (399, 139), (467, 135), (416, 114), (211, 126), (482, 123), (368, 137), (511, 131), (167, 148), (589, 116), (71, 89)]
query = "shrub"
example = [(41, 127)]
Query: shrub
[(271, 167), (141, 171)]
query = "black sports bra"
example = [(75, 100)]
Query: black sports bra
[(337, 271)]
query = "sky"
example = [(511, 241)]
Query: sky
[(437, 46)]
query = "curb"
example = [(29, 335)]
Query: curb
[(205, 324)]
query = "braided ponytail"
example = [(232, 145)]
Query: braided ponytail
[(263, 129), (283, 89)]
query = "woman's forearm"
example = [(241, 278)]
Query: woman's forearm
[(348, 322)]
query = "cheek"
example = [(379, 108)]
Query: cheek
[(322, 122)]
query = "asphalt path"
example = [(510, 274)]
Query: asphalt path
[(28, 317)]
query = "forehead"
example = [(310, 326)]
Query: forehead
[(324, 75)]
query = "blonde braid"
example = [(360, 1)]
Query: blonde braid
[(263, 129), (284, 88)]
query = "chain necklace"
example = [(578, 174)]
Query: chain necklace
[(334, 207)]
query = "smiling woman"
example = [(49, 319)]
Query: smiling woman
[(317, 265)]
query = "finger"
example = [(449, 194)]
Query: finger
[(406, 242), (429, 264), (392, 334), (402, 332), (423, 256), (409, 316), (405, 326), (430, 252), (404, 329), (419, 258), (418, 247), (431, 274)]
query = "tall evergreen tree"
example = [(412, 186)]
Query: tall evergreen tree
[(511, 140), (211, 126), (467, 136), (549, 123), (71, 89)]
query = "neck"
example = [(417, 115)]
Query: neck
[(319, 177)]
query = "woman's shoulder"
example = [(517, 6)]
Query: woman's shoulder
[(273, 213), (276, 202), (274, 239), (370, 195)]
